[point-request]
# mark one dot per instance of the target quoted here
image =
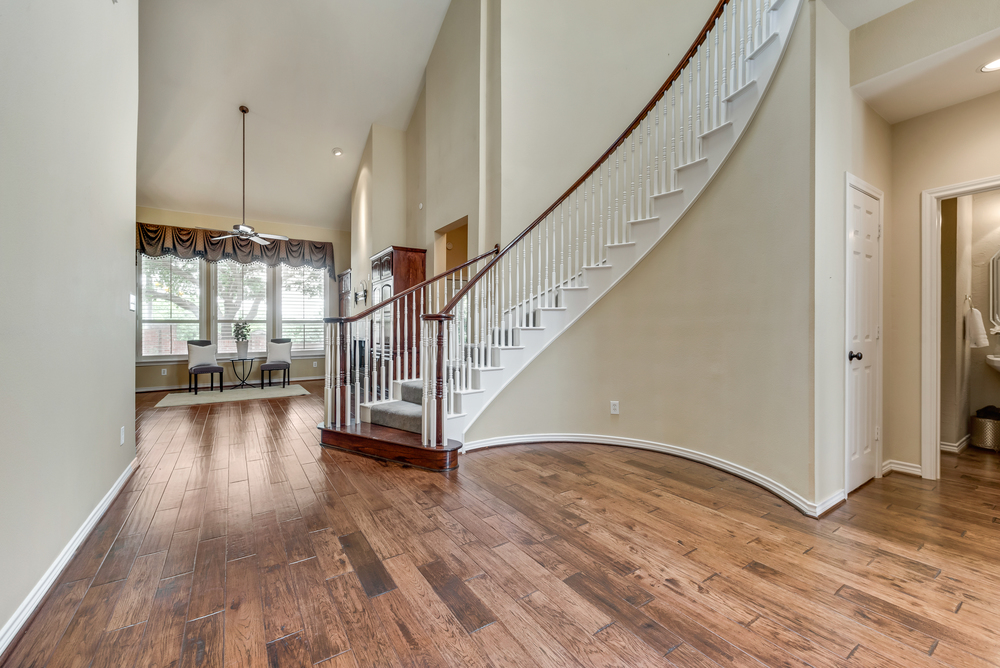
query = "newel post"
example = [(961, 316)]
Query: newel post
[(434, 383), (335, 406)]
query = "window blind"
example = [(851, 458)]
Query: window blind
[(303, 295), (241, 295)]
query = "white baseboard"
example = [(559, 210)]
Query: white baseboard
[(24, 611), (891, 465), (168, 388), (956, 448), (805, 506)]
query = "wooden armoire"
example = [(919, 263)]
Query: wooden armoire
[(395, 269), (397, 329)]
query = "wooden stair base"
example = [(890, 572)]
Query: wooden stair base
[(392, 445)]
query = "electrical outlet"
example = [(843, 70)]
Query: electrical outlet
[(163, 372), (123, 437), (315, 364), (614, 408)]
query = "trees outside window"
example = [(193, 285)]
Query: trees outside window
[(171, 304)]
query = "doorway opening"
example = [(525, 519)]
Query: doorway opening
[(969, 419), (451, 246), (943, 340)]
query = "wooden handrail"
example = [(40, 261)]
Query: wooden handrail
[(604, 156), (408, 291)]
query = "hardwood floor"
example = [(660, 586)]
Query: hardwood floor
[(240, 541)]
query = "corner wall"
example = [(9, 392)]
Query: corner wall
[(707, 343), (68, 117)]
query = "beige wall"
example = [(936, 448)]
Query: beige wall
[(458, 239), (916, 30), (941, 148), (956, 283), (984, 381), (707, 343), (361, 224), (389, 188), (378, 201), (452, 160), (831, 56), (68, 113), (416, 177), (954, 382), (574, 75)]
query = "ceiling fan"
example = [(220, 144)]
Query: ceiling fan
[(244, 231)]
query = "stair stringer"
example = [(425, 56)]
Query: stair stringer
[(692, 180)]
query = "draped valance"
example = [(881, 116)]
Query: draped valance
[(188, 243)]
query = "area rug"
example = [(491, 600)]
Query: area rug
[(209, 397)]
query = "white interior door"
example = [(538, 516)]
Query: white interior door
[(862, 335)]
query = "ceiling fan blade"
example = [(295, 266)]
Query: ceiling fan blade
[(277, 237), (226, 236), (257, 240)]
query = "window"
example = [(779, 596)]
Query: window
[(171, 304), (302, 299), (241, 295), (192, 299)]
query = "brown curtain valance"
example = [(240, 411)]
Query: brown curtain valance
[(188, 243)]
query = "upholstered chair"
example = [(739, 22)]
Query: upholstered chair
[(279, 358), (201, 359)]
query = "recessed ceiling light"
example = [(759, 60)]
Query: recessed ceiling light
[(991, 67), (338, 151)]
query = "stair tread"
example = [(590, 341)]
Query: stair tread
[(398, 415), (412, 391)]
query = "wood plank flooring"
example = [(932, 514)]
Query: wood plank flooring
[(240, 541)]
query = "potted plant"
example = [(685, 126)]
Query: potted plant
[(241, 332)]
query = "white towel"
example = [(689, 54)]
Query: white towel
[(975, 329)]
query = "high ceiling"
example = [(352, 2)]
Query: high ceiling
[(854, 13), (315, 74)]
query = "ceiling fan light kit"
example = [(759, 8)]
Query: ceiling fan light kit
[(244, 231)]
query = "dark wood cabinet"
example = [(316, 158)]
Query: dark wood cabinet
[(344, 294), (395, 269), (396, 328)]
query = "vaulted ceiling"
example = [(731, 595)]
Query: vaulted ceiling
[(315, 74)]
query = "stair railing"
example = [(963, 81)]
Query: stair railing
[(548, 258), (367, 351)]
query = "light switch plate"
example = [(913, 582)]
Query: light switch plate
[(131, 302)]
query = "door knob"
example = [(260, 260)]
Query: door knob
[(854, 356)]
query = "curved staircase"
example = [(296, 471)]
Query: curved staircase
[(510, 304)]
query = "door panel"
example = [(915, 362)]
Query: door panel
[(862, 337)]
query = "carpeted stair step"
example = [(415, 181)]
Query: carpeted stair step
[(398, 415), (412, 391)]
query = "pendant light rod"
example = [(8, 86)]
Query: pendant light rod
[(244, 111)]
